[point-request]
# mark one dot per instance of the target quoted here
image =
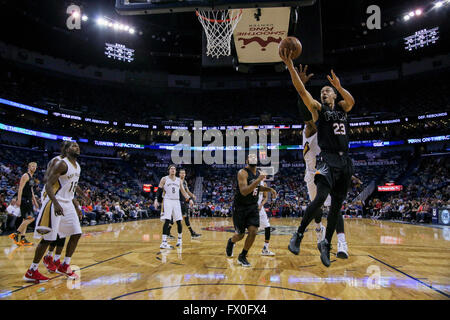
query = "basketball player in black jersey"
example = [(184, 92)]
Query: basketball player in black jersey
[(334, 166), (25, 200), (185, 207), (245, 208)]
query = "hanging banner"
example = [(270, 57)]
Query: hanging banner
[(259, 32)]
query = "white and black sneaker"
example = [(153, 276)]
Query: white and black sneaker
[(230, 247), (267, 252), (165, 245), (342, 250), (195, 235), (242, 260), (179, 243)]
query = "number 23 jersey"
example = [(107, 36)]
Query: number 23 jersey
[(332, 129)]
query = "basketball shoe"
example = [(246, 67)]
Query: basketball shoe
[(242, 260), (65, 270), (25, 242), (230, 247), (165, 245), (324, 248), (342, 250), (34, 276), (267, 252), (294, 243), (15, 237), (195, 235)]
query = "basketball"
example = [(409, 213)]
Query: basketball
[(292, 44)]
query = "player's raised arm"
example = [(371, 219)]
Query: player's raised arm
[(348, 102), (308, 100), (244, 188), (58, 170)]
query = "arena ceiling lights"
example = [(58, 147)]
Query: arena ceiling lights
[(109, 23), (419, 11)]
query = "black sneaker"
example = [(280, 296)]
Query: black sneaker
[(324, 248), (294, 243), (195, 235), (230, 247), (242, 260)]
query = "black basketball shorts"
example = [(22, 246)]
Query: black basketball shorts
[(337, 171), (244, 217), (184, 209), (26, 208)]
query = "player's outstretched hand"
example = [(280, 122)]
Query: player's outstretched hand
[(334, 80), (286, 56), (302, 73)]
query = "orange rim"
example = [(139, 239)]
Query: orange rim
[(217, 21)]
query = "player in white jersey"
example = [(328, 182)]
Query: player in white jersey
[(264, 220), (169, 195), (310, 150), (58, 215), (52, 262)]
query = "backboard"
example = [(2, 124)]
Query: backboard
[(138, 7)]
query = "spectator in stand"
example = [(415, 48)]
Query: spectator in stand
[(13, 212)]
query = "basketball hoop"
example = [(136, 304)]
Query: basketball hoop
[(219, 26)]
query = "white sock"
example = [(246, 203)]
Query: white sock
[(319, 225), (180, 235), (34, 266), (49, 254), (67, 260), (266, 246), (341, 237), (56, 257), (164, 238)]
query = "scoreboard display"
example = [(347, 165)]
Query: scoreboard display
[(421, 38), (119, 52)]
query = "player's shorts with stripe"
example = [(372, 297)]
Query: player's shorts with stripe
[(263, 219), (245, 216), (171, 208), (337, 169), (64, 226)]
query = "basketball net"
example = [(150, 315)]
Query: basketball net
[(219, 26)]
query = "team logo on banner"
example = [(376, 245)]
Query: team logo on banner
[(257, 36)]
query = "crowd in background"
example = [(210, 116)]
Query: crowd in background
[(115, 186)]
